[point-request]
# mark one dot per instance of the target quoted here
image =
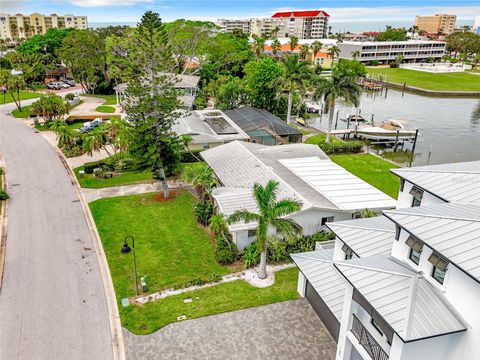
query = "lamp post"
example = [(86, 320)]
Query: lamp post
[(125, 250)]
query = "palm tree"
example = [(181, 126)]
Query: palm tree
[(304, 50), (342, 84), (295, 74), (274, 32), (368, 213), (65, 135), (201, 176), (276, 47), (258, 45), (356, 54), (271, 214), (316, 47), (93, 140), (293, 43), (332, 51)]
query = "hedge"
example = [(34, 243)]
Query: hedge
[(336, 146)]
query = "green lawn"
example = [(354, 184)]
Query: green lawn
[(105, 109), (132, 177), (453, 81), (371, 169), (24, 95), (221, 298), (109, 99), (24, 114), (172, 249)]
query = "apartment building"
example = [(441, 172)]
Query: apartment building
[(476, 25), (405, 285), (434, 24), (20, 26), (387, 51), (310, 24), (229, 25)]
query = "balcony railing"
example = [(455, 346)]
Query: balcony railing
[(367, 341)]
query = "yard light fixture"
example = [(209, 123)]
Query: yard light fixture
[(125, 250)]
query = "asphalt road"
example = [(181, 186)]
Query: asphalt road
[(52, 304)]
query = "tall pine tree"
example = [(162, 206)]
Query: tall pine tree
[(151, 100)]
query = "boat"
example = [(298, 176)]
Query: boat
[(354, 118), (389, 130), (301, 121)]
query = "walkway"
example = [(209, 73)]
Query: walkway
[(286, 330), (52, 303)]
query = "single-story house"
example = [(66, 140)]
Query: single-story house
[(326, 191), (208, 128), (263, 127), (186, 85)]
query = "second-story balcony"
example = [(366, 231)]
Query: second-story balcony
[(367, 341)]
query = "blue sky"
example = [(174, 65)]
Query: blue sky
[(341, 10)]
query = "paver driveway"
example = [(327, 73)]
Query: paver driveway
[(287, 330)]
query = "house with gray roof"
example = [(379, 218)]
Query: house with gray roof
[(326, 191), (409, 280), (207, 129)]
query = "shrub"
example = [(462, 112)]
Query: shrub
[(72, 151), (3, 195), (69, 96), (251, 256), (103, 174), (277, 251), (336, 146), (375, 62), (91, 166), (203, 212), (1, 171), (225, 251), (307, 242), (188, 156)]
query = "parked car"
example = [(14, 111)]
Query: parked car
[(69, 82), (88, 126), (54, 85), (63, 85)]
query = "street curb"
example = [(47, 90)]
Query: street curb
[(3, 222), (114, 316)]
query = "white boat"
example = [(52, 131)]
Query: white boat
[(389, 130)]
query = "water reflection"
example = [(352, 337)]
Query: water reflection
[(448, 127)]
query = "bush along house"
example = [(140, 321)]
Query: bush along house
[(405, 285)]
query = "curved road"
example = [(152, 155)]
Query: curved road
[(52, 303)]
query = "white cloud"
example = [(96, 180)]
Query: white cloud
[(100, 3)]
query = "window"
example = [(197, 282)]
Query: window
[(375, 325), (417, 196), (439, 267), (415, 250), (348, 252), (206, 146), (402, 184), (327, 219), (252, 233)]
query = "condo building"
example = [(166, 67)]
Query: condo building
[(387, 51), (309, 24), (20, 26), (434, 24)]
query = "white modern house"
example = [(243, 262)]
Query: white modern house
[(406, 285), (326, 191), (208, 128), (185, 85)]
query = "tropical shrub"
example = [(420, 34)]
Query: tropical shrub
[(336, 146), (277, 251), (225, 251), (190, 156), (251, 256), (203, 212), (3, 195), (69, 96), (307, 242)]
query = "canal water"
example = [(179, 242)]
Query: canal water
[(449, 128)]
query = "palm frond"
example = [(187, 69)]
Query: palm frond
[(243, 215), (285, 207), (287, 227)]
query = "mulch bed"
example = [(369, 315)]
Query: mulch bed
[(160, 198)]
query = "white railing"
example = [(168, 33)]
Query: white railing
[(436, 67)]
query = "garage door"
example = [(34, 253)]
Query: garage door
[(327, 317)]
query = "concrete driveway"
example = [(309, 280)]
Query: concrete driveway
[(287, 330), (52, 302)]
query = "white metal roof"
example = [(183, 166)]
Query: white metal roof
[(193, 123), (413, 307), (230, 200), (452, 229), (342, 188), (457, 182), (366, 237), (325, 279)]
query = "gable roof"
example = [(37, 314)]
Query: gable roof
[(451, 229), (366, 237), (239, 164), (251, 119), (413, 307), (459, 182), (327, 282), (301, 13)]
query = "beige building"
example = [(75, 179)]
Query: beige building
[(436, 23), (20, 26)]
